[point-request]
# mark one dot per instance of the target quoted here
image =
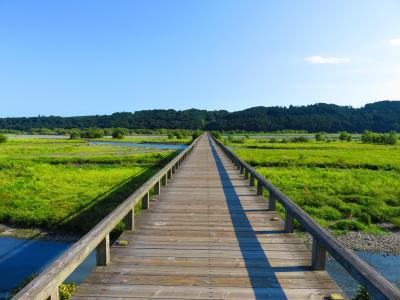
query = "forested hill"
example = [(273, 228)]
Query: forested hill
[(379, 116)]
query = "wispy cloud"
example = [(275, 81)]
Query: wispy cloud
[(327, 60), (393, 42)]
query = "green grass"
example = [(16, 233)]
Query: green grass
[(68, 185), (150, 139), (344, 186)]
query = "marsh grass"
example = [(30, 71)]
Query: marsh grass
[(68, 186), (344, 185)]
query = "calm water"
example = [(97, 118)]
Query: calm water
[(145, 145), (387, 265), (19, 258)]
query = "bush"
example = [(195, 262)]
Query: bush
[(379, 138), (216, 134), (3, 138), (344, 136), (196, 134), (348, 225), (299, 139), (74, 135), (66, 290), (119, 133), (320, 136), (92, 133), (362, 294)]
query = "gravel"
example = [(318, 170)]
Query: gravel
[(375, 243)]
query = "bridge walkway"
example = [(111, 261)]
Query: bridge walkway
[(208, 236)]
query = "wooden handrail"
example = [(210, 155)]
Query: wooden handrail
[(45, 285), (377, 285)]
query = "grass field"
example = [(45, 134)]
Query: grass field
[(68, 185), (343, 185)]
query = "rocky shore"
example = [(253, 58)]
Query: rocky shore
[(376, 243), (35, 233)]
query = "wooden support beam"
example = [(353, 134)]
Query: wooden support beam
[(103, 252), (272, 203), (252, 179), (289, 222), (164, 180), (157, 188), (318, 255), (259, 188), (146, 201), (130, 220)]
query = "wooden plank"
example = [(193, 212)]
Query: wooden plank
[(208, 236)]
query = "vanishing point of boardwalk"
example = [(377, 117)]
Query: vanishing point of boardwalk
[(208, 236)]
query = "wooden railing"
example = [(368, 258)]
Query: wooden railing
[(377, 286), (45, 285)]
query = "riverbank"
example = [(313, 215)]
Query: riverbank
[(7, 230), (359, 241)]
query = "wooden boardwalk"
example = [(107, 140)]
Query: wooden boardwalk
[(208, 236)]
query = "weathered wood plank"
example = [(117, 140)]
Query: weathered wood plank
[(209, 235)]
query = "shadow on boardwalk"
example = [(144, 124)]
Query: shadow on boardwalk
[(254, 258)]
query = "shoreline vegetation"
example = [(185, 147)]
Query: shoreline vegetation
[(48, 187), (350, 187)]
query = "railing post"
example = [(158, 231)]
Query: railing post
[(130, 220), (164, 179), (55, 295), (252, 179), (259, 188), (272, 202), (318, 255), (246, 174), (169, 174), (241, 169), (146, 201), (103, 252), (289, 225), (157, 188)]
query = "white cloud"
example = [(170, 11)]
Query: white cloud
[(394, 42), (327, 60)]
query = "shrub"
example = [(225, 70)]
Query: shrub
[(299, 139), (216, 134), (349, 225), (74, 135), (196, 134), (118, 133), (66, 290), (379, 138), (344, 136), (361, 294), (3, 138), (92, 133), (320, 136)]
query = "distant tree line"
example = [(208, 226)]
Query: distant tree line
[(382, 116)]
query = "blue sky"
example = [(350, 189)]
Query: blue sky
[(79, 57)]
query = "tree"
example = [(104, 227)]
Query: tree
[(391, 138), (196, 134), (119, 133), (74, 135), (345, 136), (320, 136), (3, 138)]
